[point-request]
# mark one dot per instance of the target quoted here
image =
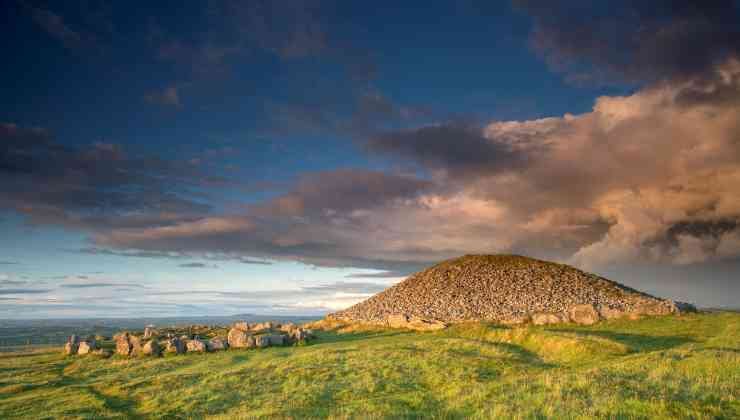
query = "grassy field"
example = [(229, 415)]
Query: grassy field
[(672, 367)]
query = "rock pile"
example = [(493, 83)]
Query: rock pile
[(154, 343), (507, 289)]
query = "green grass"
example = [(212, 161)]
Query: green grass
[(671, 367)]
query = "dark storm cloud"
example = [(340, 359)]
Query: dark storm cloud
[(94, 187), (635, 40), (460, 149)]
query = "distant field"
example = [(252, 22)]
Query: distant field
[(672, 367)]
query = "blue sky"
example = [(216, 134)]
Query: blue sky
[(226, 157)]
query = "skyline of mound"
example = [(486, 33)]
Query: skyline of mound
[(500, 288)]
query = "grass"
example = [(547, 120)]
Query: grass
[(671, 367)]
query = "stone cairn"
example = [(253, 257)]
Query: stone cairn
[(155, 343), (507, 289)]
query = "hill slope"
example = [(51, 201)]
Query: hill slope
[(500, 288), (663, 367)]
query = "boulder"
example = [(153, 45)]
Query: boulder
[(583, 314), (86, 347), (196, 345), (298, 334), (251, 342), (123, 345), (289, 327), (237, 338), (241, 325), (152, 348), (277, 339), (174, 345), (262, 326), (397, 321), (261, 341), (545, 318), (216, 344), (70, 348), (137, 349)]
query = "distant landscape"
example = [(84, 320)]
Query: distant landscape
[(33, 333)]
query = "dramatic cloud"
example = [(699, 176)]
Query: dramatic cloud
[(637, 41), (94, 187), (650, 176)]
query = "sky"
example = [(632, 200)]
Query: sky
[(296, 157)]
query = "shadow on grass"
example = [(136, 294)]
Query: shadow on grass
[(635, 342), (119, 405)]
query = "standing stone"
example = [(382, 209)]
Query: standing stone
[(251, 342), (136, 347), (583, 314), (261, 341), (86, 347), (288, 327), (196, 345), (152, 348), (216, 343), (237, 338), (174, 345), (263, 326), (70, 349), (123, 346), (241, 325), (277, 339)]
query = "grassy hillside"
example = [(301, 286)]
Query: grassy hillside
[(672, 367)]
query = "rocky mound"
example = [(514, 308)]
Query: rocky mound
[(502, 288)]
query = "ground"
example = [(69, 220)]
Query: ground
[(670, 367)]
